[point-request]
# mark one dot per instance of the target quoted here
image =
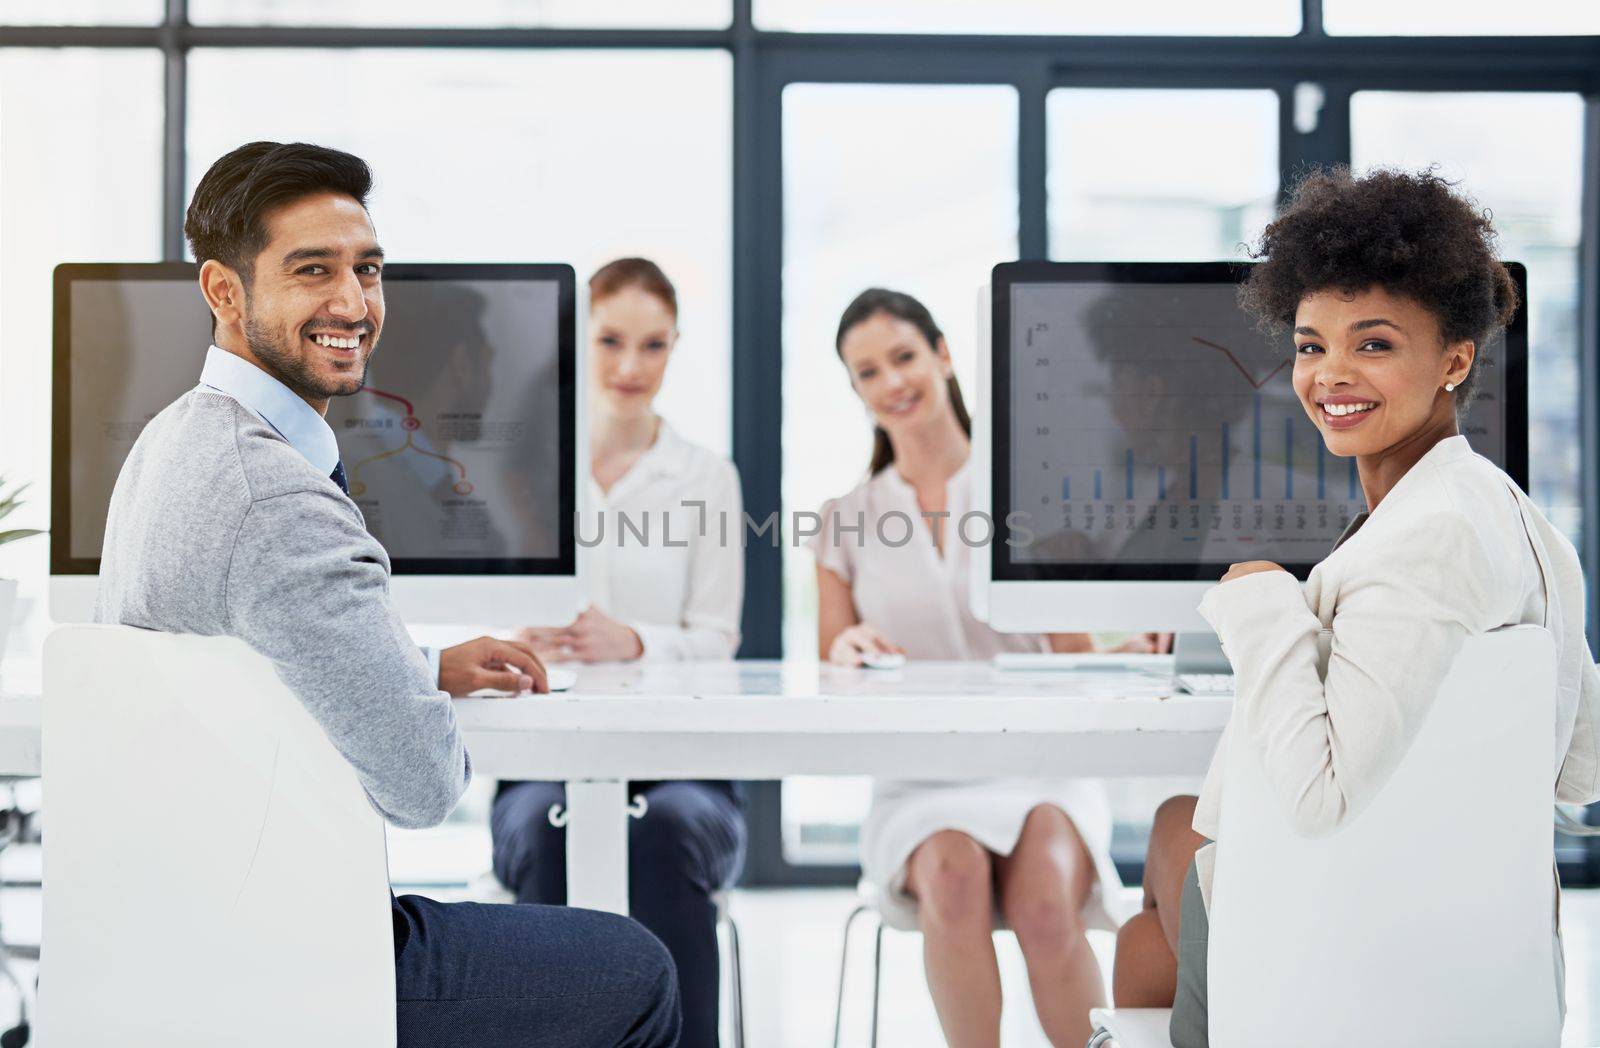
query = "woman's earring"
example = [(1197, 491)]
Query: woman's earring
[(1449, 387)]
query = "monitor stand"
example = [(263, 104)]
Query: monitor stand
[(1199, 653)]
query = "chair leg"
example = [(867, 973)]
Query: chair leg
[(738, 982), (877, 982), (844, 961)]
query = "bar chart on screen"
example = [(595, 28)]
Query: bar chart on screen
[(1151, 425)]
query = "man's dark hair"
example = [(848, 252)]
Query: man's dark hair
[(227, 217), (1410, 233)]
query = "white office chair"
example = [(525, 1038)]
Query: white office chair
[(1345, 939), (213, 872)]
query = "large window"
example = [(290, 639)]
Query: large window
[(1450, 17), (475, 160), (1154, 175), (1163, 17), (80, 180), (80, 12), (632, 14), (1520, 156)]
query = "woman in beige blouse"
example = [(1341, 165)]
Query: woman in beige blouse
[(944, 856), (1392, 285)]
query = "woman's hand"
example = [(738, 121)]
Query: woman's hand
[(593, 637), (1250, 567), (855, 641)]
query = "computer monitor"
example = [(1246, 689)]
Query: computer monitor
[(1142, 435), (461, 449)]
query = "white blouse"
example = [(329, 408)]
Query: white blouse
[(661, 551), (1335, 678), (876, 540)]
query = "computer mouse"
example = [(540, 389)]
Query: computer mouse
[(883, 660), (558, 678)]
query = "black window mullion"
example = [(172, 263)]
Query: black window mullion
[(1033, 232), (175, 59)]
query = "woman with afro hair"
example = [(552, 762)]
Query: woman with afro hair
[(1392, 288)]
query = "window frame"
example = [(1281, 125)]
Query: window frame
[(764, 62)]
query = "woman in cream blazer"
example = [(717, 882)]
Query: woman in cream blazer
[(1391, 285)]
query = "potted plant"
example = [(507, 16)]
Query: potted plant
[(10, 502)]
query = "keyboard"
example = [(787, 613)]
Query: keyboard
[(1209, 684), (1085, 661)]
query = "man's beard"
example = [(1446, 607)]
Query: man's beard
[(294, 371)]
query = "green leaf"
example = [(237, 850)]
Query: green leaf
[(10, 502), (21, 533)]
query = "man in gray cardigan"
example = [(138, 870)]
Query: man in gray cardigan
[(231, 517)]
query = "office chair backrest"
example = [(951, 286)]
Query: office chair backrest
[(213, 873), (1428, 918)]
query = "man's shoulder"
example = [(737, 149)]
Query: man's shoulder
[(269, 464), (208, 435)]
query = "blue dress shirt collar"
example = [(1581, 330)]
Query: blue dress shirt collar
[(276, 405)]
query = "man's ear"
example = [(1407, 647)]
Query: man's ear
[(224, 291)]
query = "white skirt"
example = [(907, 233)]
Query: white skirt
[(991, 812)]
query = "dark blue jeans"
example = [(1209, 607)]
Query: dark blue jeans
[(689, 845), (471, 975)]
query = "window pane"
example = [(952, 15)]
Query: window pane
[(632, 14), (1120, 188), (1520, 156), (872, 197), (505, 175), (80, 181), (80, 12), (1453, 18), (1138, 17)]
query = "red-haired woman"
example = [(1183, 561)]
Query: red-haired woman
[(651, 600)]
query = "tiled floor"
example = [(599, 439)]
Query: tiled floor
[(792, 941)]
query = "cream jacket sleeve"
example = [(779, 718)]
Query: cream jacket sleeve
[(714, 599), (1402, 612)]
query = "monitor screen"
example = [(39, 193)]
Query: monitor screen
[(1150, 431), (459, 448)]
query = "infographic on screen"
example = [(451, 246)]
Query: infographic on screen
[(1152, 423), (451, 450)]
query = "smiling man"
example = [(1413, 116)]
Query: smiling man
[(231, 517)]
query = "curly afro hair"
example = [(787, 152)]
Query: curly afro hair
[(1409, 233)]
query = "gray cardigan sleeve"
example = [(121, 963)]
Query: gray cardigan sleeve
[(308, 588)]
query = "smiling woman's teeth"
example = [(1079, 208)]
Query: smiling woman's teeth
[(1347, 409), (336, 343)]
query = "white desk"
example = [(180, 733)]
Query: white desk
[(767, 720)]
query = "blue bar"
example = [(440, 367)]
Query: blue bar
[(1322, 483), (1352, 476), (1227, 453), (1161, 475), (1066, 488), (1096, 483), (1257, 430), (1130, 474), (1194, 468), (1288, 458)]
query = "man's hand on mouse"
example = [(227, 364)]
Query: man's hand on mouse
[(502, 665)]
